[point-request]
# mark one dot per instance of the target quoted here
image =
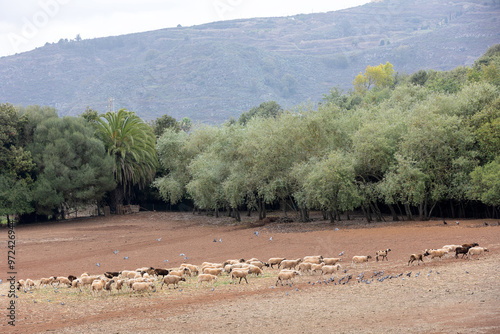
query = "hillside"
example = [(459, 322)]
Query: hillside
[(214, 71)]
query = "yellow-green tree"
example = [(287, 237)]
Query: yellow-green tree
[(380, 76)]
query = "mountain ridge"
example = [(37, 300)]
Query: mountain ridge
[(218, 70)]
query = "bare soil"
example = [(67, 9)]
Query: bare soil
[(447, 296)]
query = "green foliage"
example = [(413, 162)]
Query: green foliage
[(160, 124), (131, 144), (265, 109), (73, 168), (486, 183)]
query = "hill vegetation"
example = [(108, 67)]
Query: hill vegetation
[(215, 71), (426, 144)]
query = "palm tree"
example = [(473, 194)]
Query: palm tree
[(131, 143)]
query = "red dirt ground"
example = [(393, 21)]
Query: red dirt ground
[(463, 298)]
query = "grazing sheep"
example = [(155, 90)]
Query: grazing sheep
[(206, 278), (382, 254), (305, 267), (474, 244), (462, 250), (211, 264), (76, 283), (433, 253), (213, 271), (149, 270), (255, 270), (330, 269), (71, 278), (286, 275), (63, 280), (317, 259), (130, 274), (97, 287), (142, 286), (316, 267), (21, 284), (360, 259), (290, 264), (46, 281), (161, 272), (194, 269), (476, 251), (259, 264), (275, 261), (330, 261), (241, 274), (172, 279), (119, 284), (450, 248), (87, 280), (111, 274), (416, 257)]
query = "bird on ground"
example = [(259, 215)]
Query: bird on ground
[(125, 258), (115, 252), (444, 222), (159, 239), (98, 264), (271, 239), (256, 233), (341, 253)]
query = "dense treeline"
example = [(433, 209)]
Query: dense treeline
[(412, 145)]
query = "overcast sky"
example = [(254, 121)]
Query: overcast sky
[(27, 24)]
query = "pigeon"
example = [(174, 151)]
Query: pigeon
[(256, 233), (336, 229), (125, 258), (115, 252), (341, 253), (62, 303), (296, 289), (485, 223), (271, 239), (444, 222), (182, 254), (213, 289), (437, 272), (34, 301), (165, 260), (98, 264), (416, 275), (220, 240), (159, 239), (215, 240), (0, 281), (466, 272), (457, 222)]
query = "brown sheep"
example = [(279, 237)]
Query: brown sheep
[(416, 257)]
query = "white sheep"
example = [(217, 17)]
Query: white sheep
[(317, 259), (290, 264), (63, 280), (97, 286), (286, 275), (451, 248), (259, 264), (181, 272), (240, 273), (46, 281), (142, 286), (305, 267), (330, 261), (476, 251), (316, 267), (330, 269), (172, 279), (194, 269), (382, 254), (213, 271), (433, 253), (359, 259), (275, 261), (130, 274), (255, 270), (206, 278)]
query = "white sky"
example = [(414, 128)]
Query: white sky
[(27, 24)]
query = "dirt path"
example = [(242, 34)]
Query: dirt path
[(448, 296)]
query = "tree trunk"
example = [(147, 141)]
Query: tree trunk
[(395, 217), (408, 211), (366, 212), (116, 197), (304, 215)]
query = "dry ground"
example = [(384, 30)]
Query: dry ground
[(448, 296)]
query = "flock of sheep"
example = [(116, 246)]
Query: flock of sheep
[(149, 278)]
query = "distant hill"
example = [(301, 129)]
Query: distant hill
[(214, 71)]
